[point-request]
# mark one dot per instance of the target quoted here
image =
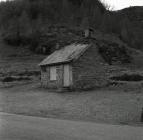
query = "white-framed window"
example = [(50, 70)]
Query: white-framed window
[(53, 73)]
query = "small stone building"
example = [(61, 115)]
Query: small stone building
[(76, 66)]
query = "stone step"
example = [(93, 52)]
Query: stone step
[(64, 89)]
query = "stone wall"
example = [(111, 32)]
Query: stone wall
[(45, 78), (90, 71)]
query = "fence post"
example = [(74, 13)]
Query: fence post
[(142, 115)]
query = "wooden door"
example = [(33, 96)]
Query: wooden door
[(67, 76)]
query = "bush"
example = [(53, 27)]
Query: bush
[(112, 52), (11, 39), (126, 77), (14, 40), (12, 79), (25, 40), (29, 73)]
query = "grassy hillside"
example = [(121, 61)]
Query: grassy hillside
[(43, 23), (135, 14), (132, 26), (18, 63)]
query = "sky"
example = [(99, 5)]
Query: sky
[(120, 4)]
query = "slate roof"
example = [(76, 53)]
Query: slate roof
[(66, 54)]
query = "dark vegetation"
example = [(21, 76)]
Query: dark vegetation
[(41, 24), (142, 115), (22, 76), (12, 79), (128, 77), (113, 53), (29, 73)]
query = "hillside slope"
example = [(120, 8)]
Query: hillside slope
[(32, 19), (131, 26), (135, 14), (19, 64)]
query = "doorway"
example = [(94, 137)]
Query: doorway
[(67, 75)]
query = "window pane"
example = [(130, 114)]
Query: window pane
[(53, 73)]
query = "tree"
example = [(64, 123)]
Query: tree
[(24, 24), (106, 24), (96, 18), (126, 33)]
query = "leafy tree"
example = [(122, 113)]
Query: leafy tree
[(24, 24)]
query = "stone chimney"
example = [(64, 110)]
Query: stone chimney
[(88, 33)]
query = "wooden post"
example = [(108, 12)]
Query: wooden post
[(142, 115)]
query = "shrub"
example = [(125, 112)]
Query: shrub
[(126, 77), (11, 39), (112, 52), (14, 40), (29, 73), (12, 79)]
